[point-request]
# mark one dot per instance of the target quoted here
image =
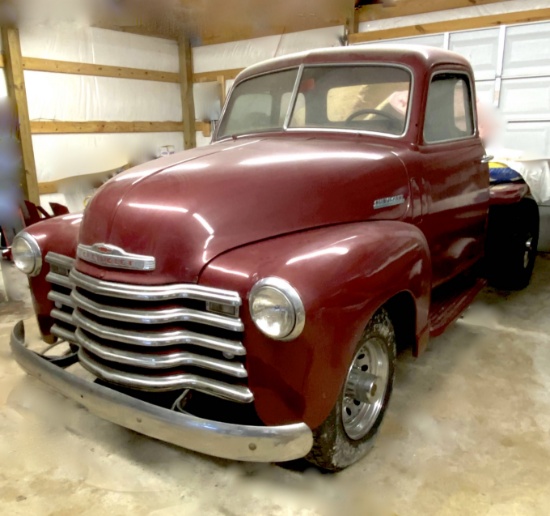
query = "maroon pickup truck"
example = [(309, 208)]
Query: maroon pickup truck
[(247, 299)]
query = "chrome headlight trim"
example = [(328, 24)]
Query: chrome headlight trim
[(294, 299), (35, 250)]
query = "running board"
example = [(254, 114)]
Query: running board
[(449, 301)]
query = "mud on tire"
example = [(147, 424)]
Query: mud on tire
[(338, 442)]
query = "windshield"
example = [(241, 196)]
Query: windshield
[(371, 98), (259, 104)]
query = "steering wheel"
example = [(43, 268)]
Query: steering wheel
[(369, 111)]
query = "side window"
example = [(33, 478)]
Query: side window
[(449, 114)]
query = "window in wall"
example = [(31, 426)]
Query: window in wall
[(449, 114)]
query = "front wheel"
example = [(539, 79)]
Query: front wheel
[(348, 432)]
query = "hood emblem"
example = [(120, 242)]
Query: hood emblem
[(108, 255)]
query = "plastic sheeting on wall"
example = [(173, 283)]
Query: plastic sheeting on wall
[(66, 97), (3, 87), (99, 46), (62, 155), (240, 54), (53, 96)]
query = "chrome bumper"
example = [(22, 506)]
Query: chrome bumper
[(230, 441)]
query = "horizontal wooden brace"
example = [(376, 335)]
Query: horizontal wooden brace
[(58, 127), (456, 24), (214, 75), (386, 10), (119, 72)]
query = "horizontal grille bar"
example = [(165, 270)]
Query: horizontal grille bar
[(62, 333), (169, 338), (60, 260), (158, 383), (155, 293), (62, 316), (163, 316), (59, 279), (159, 361), (57, 297)]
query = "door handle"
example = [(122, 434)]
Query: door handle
[(486, 158)]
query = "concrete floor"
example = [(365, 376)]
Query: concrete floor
[(467, 433)]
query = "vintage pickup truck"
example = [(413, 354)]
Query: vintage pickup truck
[(247, 299)]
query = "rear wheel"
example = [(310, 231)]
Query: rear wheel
[(512, 244), (348, 432)]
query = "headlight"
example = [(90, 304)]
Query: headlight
[(26, 254), (276, 309)]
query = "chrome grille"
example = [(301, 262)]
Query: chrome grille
[(151, 338), (64, 326)]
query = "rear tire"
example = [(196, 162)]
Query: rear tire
[(512, 244), (348, 432)]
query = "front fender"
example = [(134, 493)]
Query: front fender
[(60, 235), (344, 274)]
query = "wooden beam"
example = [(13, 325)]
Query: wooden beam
[(478, 22), (15, 81), (58, 127), (213, 76), (221, 82), (61, 127), (121, 72), (187, 100), (352, 21), (47, 188), (205, 128), (413, 7)]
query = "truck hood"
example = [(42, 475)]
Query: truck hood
[(189, 208)]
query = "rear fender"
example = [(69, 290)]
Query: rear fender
[(343, 274)]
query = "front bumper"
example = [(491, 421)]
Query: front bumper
[(230, 441)]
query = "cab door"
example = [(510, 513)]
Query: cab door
[(454, 178)]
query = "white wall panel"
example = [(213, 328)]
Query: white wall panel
[(480, 47), (527, 50), (485, 91), (99, 46), (465, 12), (525, 98), (433, 40), (533, 138), (55, 96)]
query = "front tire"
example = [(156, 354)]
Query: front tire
[(348, 432)]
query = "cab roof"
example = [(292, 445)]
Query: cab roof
[(414, 56)]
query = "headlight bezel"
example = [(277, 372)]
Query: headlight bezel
[(295, 301), (34, 249)]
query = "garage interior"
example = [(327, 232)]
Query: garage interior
[(100, 90)]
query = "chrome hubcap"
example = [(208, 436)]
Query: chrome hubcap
[(527, 252), (365, 388)]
